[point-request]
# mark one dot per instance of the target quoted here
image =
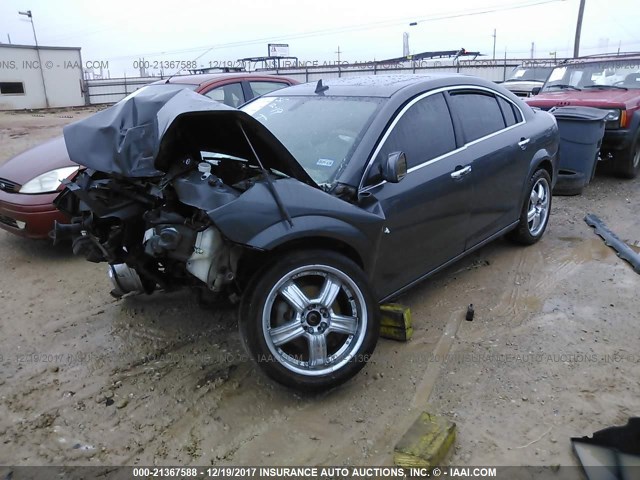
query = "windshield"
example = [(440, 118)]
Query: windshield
[(618, 74), (539, 74), (320, 132)]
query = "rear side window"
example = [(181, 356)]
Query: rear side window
[(478, 112), (423, 133), (509, 111), (262, 88)]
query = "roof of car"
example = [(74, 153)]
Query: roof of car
[(372, 85), (201, 78)]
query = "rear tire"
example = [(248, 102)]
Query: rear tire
[(534, 216), (309, 320), (628, 165), (569, 183)]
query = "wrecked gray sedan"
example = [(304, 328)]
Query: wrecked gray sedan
[(309, 205)]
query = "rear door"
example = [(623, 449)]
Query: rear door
[(427, 212), (496, 147)]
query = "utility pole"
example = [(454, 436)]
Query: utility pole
[(494, 43), (338, 52), (405, 45), (533, 49), (35, 38), (576, 43)]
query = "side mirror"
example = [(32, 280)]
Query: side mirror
[(395, 168), (535, 91)]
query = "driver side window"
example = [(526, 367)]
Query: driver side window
[(424, 132)]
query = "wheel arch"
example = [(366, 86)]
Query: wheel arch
[(308, 233), (542, 159), (320, 243), (548, 166)]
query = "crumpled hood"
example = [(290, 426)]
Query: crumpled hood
[(40, 159), (144, 133)]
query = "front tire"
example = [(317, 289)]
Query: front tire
[(309, 320), (628, 165), (534, 216)]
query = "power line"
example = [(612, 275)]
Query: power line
[(345, 29)]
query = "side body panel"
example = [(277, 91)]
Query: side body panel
[(427, 217), (254, 220)]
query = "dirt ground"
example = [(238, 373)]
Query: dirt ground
[(552, 353)]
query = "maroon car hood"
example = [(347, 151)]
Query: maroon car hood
[(599, 98), (40, 159)]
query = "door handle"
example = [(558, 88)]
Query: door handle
[(456, 174), (523, 143)]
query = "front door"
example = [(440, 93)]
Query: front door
[(427, 212)]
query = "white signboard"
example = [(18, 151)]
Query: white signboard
[(278, 49)]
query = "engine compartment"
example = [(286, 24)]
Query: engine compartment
[(156, 233)]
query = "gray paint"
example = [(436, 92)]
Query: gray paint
[(401, 232)]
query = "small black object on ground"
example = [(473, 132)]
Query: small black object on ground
[(470, 313)]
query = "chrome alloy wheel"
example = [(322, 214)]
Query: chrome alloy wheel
[(538, 209), (314, 319)]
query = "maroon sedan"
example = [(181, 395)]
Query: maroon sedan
[(30, 181)]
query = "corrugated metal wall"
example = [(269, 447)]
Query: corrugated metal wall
[(112, 90)]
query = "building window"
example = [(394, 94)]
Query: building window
[(11, 88)]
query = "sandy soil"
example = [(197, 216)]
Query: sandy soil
[(552, 353)]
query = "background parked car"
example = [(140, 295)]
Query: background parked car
[(524, 79), (313, 203), (611, 83), (30, 181)]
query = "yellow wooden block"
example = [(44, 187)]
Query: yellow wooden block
[(395, 315), (426, 443), (395, 322), (394, 333)]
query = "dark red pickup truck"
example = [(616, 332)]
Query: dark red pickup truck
[(608, 82)]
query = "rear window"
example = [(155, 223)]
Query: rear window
[(262, 88), (538, 74)]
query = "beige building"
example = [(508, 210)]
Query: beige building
[(46, 77)]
